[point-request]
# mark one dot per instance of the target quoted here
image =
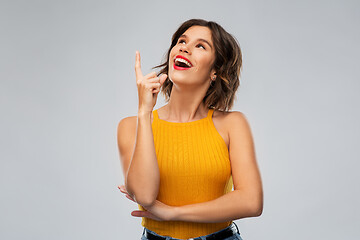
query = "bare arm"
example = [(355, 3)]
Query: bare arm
[(138, 158), (245, 201), (247, 198), (231, 206), (141, 171)]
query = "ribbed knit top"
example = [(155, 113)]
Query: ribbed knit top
[(194, 167)]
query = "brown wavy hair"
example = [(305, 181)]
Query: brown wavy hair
[(227, 64)]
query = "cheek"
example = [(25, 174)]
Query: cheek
[(172, 55), (204, 64), (173, 50), (207, 59)]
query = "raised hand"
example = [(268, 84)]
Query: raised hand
[(148, 86)]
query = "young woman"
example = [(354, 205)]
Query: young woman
[(182, 161)]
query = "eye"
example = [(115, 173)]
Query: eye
[(201, 45), (182, 40)]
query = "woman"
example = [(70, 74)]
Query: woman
[(182, 160)]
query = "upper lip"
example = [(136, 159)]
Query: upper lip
[(179, 56)]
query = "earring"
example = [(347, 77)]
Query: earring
[(212, 81)]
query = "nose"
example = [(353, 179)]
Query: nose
[(184, 48)]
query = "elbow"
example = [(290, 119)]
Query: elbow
[(257, 204), (143, 199), (257, 209), (145, 202)]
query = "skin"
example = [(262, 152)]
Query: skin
[(189, 88)]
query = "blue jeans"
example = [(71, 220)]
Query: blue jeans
[(235, 236)]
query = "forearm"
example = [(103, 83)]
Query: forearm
[(143, 177), (231, 206)]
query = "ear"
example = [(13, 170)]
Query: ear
[(212, 73)]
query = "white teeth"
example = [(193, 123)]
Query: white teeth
[(182, 60)]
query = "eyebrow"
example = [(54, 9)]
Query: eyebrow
[(199, 39)]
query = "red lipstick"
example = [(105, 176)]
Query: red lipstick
[(181, 68)]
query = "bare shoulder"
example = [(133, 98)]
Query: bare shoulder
[(229, 122), (238, 123), (222, 121), (240, 135), (126, 131), (236, 117), (230, 118), (126, 124), (126, 134)]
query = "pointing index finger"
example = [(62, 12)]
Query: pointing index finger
[(138, 65)]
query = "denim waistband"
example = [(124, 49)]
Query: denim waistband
[(232, 225)]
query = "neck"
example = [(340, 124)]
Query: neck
[(185, 106)]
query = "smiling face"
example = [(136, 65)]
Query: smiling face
[(194, 47)]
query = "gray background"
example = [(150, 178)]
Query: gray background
[(67, 79)]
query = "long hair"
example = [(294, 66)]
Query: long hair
[(227, 64)]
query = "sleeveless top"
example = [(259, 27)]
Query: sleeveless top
[(194, 167)]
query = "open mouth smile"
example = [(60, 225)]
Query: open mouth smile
[(182, 63)]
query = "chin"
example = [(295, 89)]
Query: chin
[(177, 79)]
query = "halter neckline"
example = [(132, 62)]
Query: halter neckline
[(209, 115)]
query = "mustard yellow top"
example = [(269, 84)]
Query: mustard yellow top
[(194, 167)]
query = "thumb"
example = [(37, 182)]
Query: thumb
[(163, 77)]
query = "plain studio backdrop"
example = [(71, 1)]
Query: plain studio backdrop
[(67, 79)]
